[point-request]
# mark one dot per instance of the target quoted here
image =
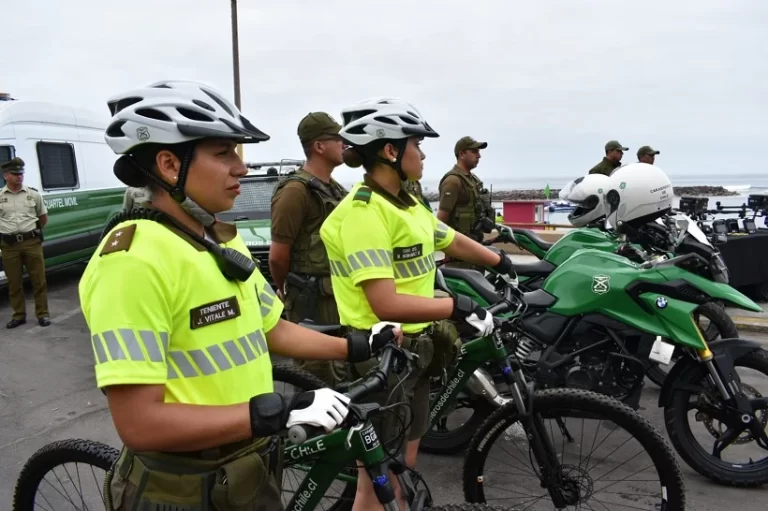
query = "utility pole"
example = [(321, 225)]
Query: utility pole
[(236, 64)]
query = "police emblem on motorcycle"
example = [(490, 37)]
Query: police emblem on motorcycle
[(601, 284), (661, 302)]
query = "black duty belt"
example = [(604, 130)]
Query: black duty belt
[(19, 236)]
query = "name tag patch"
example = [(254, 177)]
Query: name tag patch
[(403, 253), (214, 312)]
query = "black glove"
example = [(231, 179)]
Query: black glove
[(504, 266), (361, 346)]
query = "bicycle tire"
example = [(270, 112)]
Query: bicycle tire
[(299, 378), (456, 440), (52, 455), (660, 452), (466, 506), (723, 325), (679, 431)]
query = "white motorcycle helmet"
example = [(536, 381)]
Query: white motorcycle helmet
[(587, 193), (638, 193)]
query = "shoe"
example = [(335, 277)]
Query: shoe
[(44, 321), (15, 322)]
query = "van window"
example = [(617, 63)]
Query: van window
[(58, 168), (6, 154)]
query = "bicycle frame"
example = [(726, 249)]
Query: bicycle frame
[(343, 447), (472, 356), (337, 450)]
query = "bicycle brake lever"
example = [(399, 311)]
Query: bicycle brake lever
[(352, 431), (399, 366)]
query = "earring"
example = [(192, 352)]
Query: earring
[(175, 178), (394, 160)]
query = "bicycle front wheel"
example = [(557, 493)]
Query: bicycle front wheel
[(608, 457), (65, 475)]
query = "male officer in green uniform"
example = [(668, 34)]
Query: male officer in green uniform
[(298, 260), (612, 160), (464, 201), (22, 217), (135, 196), (647, 154)]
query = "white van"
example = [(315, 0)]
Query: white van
[(69, 163)]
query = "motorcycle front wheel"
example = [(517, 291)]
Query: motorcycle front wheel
[(705, 408)]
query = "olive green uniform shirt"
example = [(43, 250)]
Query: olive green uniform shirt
[(453, 192), (605, 167), (293, 207)]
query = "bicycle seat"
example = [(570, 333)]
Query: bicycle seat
[(323, 329), (539, 299), (475, 280), (531, 235), (540, 268)]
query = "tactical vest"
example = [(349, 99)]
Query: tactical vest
[(414, 188), (308, 255), (464, 217)]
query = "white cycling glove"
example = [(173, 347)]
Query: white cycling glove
[(465, 308), (327, 410), (378, 342), (361, 348), (483, 325)]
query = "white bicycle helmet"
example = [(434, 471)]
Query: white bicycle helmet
[(382, 119), (172, 112), (638, 193), (587, 193)]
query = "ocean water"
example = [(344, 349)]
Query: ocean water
[(748, 183), (561, 218)]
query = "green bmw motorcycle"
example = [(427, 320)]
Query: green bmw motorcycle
[(666, 237), (598, 319)]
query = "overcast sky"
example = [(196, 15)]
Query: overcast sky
[(545, 83)]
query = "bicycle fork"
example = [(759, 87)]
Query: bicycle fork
[(540, 443)]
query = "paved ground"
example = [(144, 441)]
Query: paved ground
[(47, 392)]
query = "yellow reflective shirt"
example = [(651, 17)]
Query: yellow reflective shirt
[(160, 312), (374, 235)]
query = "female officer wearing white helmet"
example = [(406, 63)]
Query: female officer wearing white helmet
[(381, 244), (588, 194), (638, 193), (183, 324)]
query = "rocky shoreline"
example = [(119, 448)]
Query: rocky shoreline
[(680, 191)]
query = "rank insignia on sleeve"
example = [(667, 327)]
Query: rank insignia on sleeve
[(120, 239), (363, 194)]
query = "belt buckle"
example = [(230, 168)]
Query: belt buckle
[(19, 238)]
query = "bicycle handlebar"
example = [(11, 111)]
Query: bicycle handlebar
[(390, 354), (300, 433)]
